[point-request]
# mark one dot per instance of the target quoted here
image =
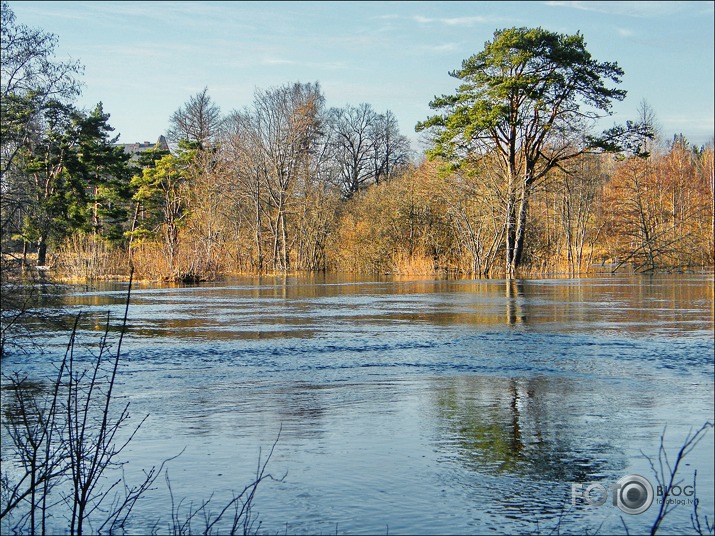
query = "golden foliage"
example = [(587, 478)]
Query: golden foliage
[(396, 227), (645, 214), (659, 210)]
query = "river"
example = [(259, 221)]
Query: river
[(405, 405)]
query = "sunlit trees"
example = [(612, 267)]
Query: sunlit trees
[(71, 178), (274, 141), (56, 198), (162, 194), (706, 174), (105, 169), (526, 100), (397, 227), (245, 192), (317, 205), (577, 189), (60, 170), (661, 209), (34, 87), (516, 178), (315, 221), (198, 125), (474, 201)]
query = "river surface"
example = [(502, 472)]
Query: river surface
[(406, 405)]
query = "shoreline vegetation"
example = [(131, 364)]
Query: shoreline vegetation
[(611, 214), (32, 274), (515, 182)]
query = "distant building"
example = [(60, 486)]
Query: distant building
[(135, 149)]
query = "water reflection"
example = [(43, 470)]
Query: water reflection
[(306, 307), (24, 401), (515, 302), (528, 427)]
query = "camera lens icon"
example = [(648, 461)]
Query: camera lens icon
[(633, 494)]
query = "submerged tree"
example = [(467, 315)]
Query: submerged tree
[(659, 209), (526, 100)]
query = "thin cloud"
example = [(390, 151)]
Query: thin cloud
[(681, 121), (471, 20), (278, 61), (468, 21), (628, 9), (185, 10), (147, 50), (59, 13), (328, 65), (386, 17), (210, 16), (445, 47)]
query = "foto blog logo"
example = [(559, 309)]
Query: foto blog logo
[(632, 494)]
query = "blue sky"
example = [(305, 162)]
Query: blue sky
[(143, 60)]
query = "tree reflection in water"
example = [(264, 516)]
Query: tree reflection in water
[(529, 438)]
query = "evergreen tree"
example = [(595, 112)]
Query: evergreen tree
[(75, 178), (527, 101)]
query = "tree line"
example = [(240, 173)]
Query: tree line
[(515, 179)]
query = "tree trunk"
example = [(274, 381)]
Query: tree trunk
[(259, 238), (284, 240), (520, 230), (41, 252), (510, 231)]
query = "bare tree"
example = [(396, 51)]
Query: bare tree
[(30, 77), (285, 125), (197, 121), (659, 210), (474, 198), (578, 187), (391, 150), (366, 147), (353, 146), (246, 189), (667, 477)]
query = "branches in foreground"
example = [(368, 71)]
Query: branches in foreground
[(63, 456), (667, 477), (243, 520)]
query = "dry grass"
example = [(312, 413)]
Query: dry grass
[(85, 257)]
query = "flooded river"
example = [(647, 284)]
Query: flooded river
[(406, 405)]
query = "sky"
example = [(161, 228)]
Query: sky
[(144, 60)]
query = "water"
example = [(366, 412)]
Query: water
[(405, 405)]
